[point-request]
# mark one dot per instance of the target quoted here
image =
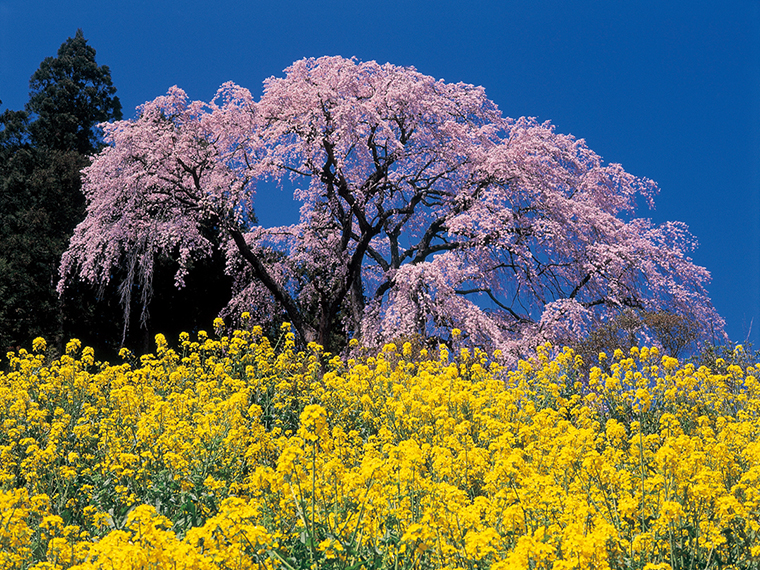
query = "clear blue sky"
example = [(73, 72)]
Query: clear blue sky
[(671, 90)]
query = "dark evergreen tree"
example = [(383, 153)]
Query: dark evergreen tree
[(70, 94), (40, 201), (42, 151)]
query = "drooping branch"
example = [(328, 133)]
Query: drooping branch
[(488, 291), (307, 332)]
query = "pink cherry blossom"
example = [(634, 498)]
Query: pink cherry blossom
[(422, 209)]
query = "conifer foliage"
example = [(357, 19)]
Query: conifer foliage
[(42, 150), (70, 95), (423, 208)]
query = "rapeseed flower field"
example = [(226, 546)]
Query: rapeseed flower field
[(233, 453)]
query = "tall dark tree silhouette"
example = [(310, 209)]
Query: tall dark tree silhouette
[(70, 94), (42, 151)]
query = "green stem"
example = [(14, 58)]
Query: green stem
[(313, 496), (641, 456)]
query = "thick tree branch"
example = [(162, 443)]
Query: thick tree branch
[(306, 331)]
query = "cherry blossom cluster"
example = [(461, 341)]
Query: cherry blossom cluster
[(423, 208)]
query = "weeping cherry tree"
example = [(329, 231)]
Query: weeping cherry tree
[(422, 209)]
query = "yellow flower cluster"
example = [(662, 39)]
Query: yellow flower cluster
[(233, 453)]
